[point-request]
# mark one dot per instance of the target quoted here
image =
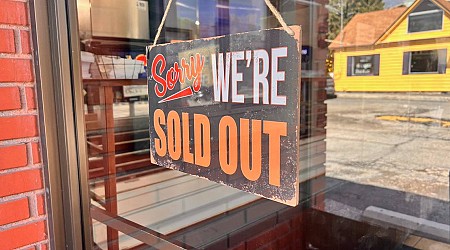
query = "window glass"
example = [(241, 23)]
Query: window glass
[(364, 65), (424, 61), (425, 17), (425, 22), (428, 61), (374, 130)]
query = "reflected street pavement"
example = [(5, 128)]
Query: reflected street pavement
[(390, 151), (411, 156)]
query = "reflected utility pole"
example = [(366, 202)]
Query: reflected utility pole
[(339, 10), (341, 14)]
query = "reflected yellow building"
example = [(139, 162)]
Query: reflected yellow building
[(398, 49)]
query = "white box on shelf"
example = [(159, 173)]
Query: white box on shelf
[(87, 59)]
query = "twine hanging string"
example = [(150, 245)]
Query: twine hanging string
[(163, 20), (279, 17), (268, 3)]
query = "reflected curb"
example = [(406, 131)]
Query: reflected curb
[(415, 225), (413, 96)]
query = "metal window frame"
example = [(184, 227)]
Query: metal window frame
[(55, 38)]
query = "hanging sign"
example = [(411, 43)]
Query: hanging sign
[(227, 109)]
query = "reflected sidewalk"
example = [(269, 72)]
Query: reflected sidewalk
[(412, 96)]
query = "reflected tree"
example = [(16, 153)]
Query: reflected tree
[(342, 11)]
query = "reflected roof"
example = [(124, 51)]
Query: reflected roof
[(366, 28), (445, 4)]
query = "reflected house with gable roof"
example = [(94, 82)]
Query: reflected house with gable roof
[(395, 50)]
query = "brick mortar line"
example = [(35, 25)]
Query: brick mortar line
[(16, 56), (18, 112), (23, 98), (22, 1), (21, 223), (22, 195), (14, 26), (29, 147), (20, 169), (33, 206), (17, 84), (13, 142), (36, 245), (18, 41)]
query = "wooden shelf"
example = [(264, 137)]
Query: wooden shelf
[(114, 82)]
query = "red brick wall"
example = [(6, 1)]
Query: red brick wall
[(23, 220)]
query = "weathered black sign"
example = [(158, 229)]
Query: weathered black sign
[(227, 109)]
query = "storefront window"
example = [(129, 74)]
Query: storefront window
[(364, 65), (373, 161), (424, 61), (428, 61)]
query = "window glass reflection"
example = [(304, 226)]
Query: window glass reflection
[(427, 16), (373, 161)]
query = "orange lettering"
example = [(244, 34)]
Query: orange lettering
[(187, 155), (160, 144), (202, 130), (228, 145), (174, 135), (254, 172), (275, 130)]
